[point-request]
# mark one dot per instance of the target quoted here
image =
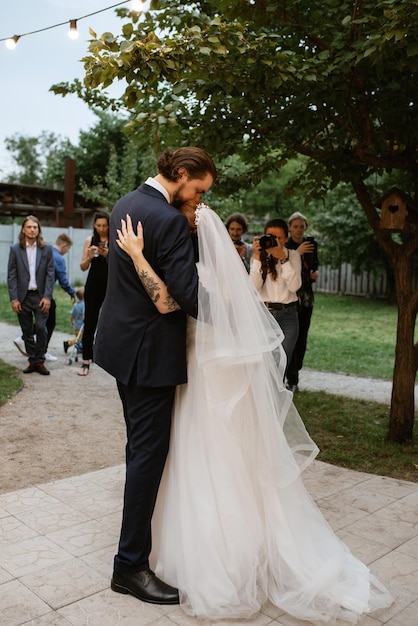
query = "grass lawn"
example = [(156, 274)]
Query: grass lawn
[(352, 433), (353, 336)]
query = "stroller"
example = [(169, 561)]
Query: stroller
[(77, 347)]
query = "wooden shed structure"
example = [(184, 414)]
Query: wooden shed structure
[(53, 207)]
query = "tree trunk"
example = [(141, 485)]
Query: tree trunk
[(402, 408)]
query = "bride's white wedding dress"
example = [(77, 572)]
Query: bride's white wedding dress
[(234, 525)]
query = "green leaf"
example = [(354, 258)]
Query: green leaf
[(108, 37), (369, 51), (179, 87), (412, 50), (127, 46), (324, 55), (220, 50), (127, 30)]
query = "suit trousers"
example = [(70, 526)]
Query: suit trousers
[(147, 412), (33, 321)]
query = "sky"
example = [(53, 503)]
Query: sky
[(43, 59)]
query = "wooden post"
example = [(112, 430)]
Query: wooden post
[(69, 190)]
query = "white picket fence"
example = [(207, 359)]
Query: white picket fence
[(343, 281)]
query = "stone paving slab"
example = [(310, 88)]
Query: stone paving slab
[(56, 555)]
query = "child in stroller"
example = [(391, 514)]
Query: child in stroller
[(77, 322)]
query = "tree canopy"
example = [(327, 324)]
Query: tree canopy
[(334, 81)]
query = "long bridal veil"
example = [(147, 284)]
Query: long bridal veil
[(234, 525)]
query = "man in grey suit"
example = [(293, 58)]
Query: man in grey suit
[(30, 280), (146, 350)]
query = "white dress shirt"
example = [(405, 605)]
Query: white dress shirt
[(31, 254), (158, 186)]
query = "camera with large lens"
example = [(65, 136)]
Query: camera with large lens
[(267, 242)]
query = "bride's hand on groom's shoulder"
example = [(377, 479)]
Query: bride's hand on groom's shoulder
[(130, 242)]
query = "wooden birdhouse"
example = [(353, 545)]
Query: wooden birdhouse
[(398, 212)]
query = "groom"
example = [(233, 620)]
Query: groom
[(145, 351)]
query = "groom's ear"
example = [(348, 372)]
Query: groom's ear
[(182, 172)]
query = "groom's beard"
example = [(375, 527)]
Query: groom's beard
[(178, 199)]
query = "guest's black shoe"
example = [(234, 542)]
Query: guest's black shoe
[(145, 586), (29, 369), (41, 369)]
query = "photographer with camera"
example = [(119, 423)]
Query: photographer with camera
[(275, 271), (307, 249)]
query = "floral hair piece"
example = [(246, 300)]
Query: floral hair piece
[(198, 211)]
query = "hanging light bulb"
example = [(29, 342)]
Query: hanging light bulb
[(12, 42), (73, 32), (137, 6)]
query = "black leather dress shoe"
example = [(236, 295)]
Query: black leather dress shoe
[(29, 369), (145, 586)]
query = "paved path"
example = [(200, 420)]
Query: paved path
[(57, 538), (362, 388)]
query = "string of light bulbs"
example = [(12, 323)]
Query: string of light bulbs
[(11, 42)]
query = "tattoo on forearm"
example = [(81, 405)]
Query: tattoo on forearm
[(171, 304), (152, 288), (150, 285)]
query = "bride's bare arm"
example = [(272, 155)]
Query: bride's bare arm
[(156, 288)]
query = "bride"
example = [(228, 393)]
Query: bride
[(234, 525)]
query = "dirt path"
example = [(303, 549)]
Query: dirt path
[(59, 425)]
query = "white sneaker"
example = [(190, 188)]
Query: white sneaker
[(50, 357), (20, 345)]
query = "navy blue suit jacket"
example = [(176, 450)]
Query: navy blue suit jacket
[(18, 272), (135, 343)]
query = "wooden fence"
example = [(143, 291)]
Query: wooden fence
[(343, 281)]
